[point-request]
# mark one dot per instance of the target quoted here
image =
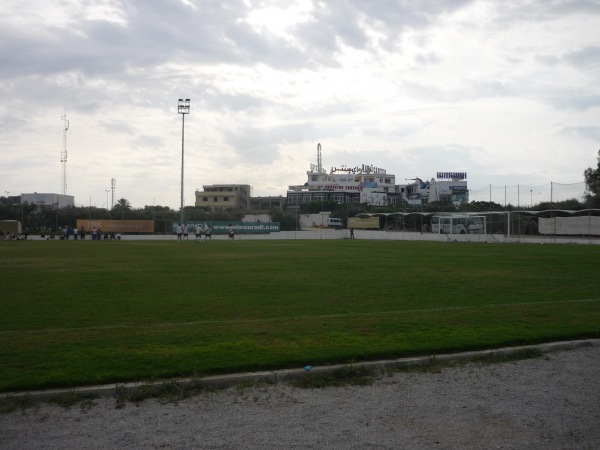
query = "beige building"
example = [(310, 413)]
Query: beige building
[(224, 196)]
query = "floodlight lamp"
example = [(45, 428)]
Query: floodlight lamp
[(184, 106)]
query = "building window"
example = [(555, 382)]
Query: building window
[(215, 199), (204, 199), (225, 199)]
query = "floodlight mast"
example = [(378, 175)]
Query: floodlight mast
[(183, 109)]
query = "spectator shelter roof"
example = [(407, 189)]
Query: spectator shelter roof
[(544, 213)]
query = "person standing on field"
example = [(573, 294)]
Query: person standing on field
[(231, 233), (178, 232), (199, 232), (208, 233)]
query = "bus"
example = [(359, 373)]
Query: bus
[(457, 224)]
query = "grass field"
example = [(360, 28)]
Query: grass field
[(75, 313)]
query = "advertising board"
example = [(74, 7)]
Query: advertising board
[(583, 225), (117, 226), (238, 227), (368, 223)]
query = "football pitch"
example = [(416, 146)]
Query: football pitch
[(80, 313)]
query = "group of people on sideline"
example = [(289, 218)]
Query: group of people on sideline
[(12, 236), (182, 232), (199, 231), (81, 233)]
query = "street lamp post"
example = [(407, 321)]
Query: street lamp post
[(183, 109), (531, 198), (107, 191)]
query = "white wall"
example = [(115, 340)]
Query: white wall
[(374, 236)]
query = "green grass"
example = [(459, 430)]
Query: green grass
[(76, 313)]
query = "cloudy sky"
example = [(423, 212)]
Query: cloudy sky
[(507, 91)]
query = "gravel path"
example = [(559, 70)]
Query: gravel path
[(552, 402)]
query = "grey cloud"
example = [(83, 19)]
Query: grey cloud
[(147, 141), (548, 60), (252, 48), (342, 22), (399, 15), (576, 99), (116, 126), (261, 145), (236, 102), (425, 59), (333, 21), (10, 124), (157, 33), (584, 57), (536, 11), (589, 132)]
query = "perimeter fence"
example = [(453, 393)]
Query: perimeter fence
[(528, 196)]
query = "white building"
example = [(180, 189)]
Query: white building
[(450, 188), (41, 199), (360, 184), (224, 196), (374, 186)]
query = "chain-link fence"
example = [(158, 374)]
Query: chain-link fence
[(526, 196)]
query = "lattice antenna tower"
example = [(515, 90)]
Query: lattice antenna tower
[(113, 187), (319, 161), (63, 153)]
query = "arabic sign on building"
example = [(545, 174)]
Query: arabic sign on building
[(365, 168)]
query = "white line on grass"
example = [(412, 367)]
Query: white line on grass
[(278, 319)]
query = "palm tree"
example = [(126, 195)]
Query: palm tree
[(124, 205)]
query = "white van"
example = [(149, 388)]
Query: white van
[(334, 222)]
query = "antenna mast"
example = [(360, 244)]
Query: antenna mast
[(63, 154), (113, 186), (319, 164)]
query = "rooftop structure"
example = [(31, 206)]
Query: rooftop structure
[(224, 196), (375, 186)]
